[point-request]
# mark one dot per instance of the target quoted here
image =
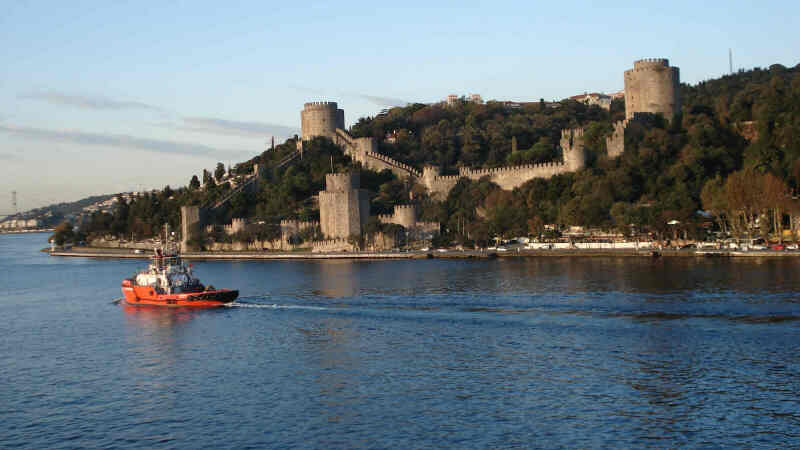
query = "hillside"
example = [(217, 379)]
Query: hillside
[(748, 121), (52, 215)]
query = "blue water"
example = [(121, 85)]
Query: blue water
[(550, 352)]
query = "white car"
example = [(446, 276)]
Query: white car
[(502, 249)]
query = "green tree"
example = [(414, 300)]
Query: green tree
[(63, 233)]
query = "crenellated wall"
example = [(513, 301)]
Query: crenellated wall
[(403, 215), (438, 185), (510, 177), (318, 116), (292, 227), (365, 151), (652, 86), (332, 245), (236, 225)]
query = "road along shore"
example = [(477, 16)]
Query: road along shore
[(88, 252)]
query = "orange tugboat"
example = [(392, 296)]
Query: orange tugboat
[(169, 282)]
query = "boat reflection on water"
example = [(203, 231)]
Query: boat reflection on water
[(156, 317)]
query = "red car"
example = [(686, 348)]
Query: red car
[(777, 247)]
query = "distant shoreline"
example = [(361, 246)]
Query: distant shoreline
[(38, 230), (85, 252)]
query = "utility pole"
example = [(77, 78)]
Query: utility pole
[(730, 60), (14, 201)]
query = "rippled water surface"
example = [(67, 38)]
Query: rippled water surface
[(550, 352)]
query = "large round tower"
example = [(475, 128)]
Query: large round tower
[(320, 119), (652, 86)]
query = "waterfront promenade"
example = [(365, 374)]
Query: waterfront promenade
[(88, 252)]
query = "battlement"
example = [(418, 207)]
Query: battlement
[(431, 171), (331, 245), (298, 224), (393, 162), (236, 225), (571, 133), (448, 178), (308, 106), (342, 181), (320, 119), (507, 170), (649, 63), (652, 86)]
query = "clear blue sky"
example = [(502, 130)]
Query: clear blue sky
[(103, 97)]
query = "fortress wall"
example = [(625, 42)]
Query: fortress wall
[(572, 149), (191, 218), (290, 227), (440, 186), (366, 144), (377, 162), (403, 215), (509, 178), (365, 151), (332, 245), (427, 227), (652, 87), (615, 144)]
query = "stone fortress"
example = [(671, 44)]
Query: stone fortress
[(651, 87), (323, 119), (343, 205)]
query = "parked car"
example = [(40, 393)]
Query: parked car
[(779, 247)]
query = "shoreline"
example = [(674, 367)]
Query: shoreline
[(85, 252)]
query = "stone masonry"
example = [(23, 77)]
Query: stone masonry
[(320, 119), (652, 86), (343, 207), (615, 144), (508, 178)]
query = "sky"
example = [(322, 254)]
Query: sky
[(107, 97)]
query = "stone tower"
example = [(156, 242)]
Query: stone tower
[(343, 207), (405, 215), (652, 86), (572, 149), (321, 119)]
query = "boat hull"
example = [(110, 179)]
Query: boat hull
[(145, 295)]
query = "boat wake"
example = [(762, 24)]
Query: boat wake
[(274, 306)]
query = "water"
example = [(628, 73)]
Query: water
[(551, 352)]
